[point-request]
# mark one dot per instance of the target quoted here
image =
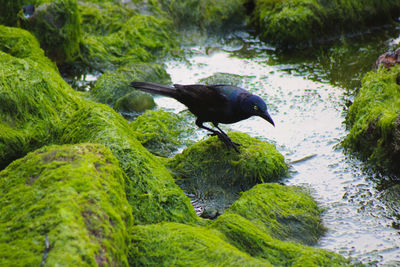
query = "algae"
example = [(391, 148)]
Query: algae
[(150, 188), (162, 133), (374, 121), (215, 175), (72, 197), (284, 212), (57, 27), (298, 23), (112, 87)]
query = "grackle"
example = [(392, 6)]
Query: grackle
[(218, 103)]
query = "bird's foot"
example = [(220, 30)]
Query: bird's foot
[(228, 142)]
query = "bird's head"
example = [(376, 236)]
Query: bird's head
[(255, 106)]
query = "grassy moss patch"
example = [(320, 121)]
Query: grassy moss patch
[(291, 23), (71, 195), (284, 212), (374, 120), (162, 133)]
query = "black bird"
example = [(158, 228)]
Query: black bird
[(218, 103)]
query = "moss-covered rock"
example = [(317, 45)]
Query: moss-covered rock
[(57, 26), (207, 15), (150, 188), (113, 87), (284, 212), (35, 100), (248, 237), (162, 133), (374, 120), (142, 38), (134, 102), (223, 78), (64, 205), (215, 175), (9, 10), (173, 244), (301, 22)]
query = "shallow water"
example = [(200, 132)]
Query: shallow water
[(306, 98)]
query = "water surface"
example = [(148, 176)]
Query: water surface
[(307, 97)]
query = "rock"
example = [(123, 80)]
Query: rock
[(215, 175), (388, 59), (64, 205), (134, 102)]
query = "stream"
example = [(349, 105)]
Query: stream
[(307, 101)]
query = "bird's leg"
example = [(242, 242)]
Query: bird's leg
[(234, 143), (221, 135)]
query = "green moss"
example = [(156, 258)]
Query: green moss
[(162, 133), (35, 99), (73, 196), (150, 188), (57, 27), (112, 87), (215, 175), (173, 244), (206, 15), (9, 10), (302, 22), (142, 38), (284, 212), (134, 102), (374, 120), (247, 237)]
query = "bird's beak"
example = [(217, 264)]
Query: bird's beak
[(267, 117)]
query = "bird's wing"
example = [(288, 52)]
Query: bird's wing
[(198, 94)]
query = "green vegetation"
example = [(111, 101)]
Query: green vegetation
[(71, 195), (162, 133), (374, 120), (291, 23), (113, 88)]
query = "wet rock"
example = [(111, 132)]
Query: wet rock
[(223, 78), (215, 175), (134, 102), (64, 205), (162, 133), (388, 59)]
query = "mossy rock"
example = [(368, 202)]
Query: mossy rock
[(284, 212), (223, 78), (215, 174), (64, 205), (141, 38), (9, 10), (249, 238), (112, 87), (134, 102), (57, 26), (173, 244), (297, 23), (374, 120), (214, 16), (150, 188), (34, 98), (162, 133)]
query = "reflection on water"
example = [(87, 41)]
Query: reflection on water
[(306, 101)]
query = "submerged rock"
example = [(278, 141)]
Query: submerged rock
[(64, 205), (388, 59), (374, 120), (215, 175)]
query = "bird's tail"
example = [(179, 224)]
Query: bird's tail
[(155, 88)]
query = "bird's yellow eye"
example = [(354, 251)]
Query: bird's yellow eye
[(255, 108)]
